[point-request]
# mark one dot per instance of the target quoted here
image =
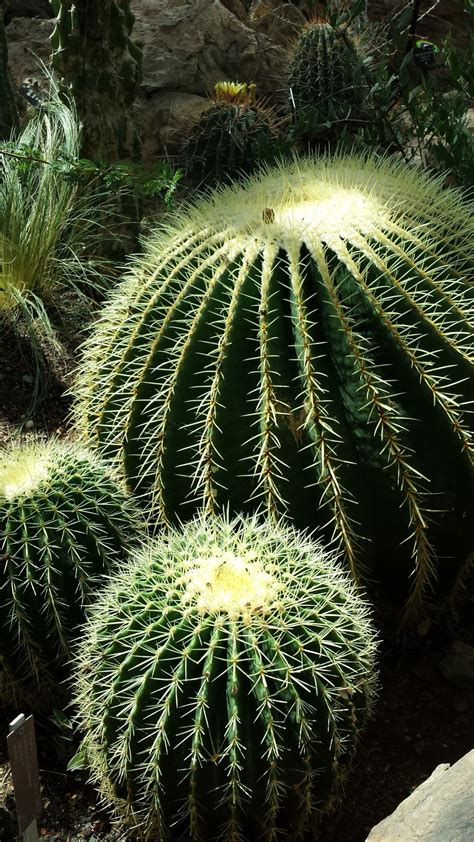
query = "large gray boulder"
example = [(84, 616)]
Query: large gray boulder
[(189, 45), (440, 810)]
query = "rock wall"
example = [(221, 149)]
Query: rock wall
[(189, 45)]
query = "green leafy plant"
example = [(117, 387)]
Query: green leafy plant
[(451, 143), (302, 344), (421, 124), (65, 521), (223, 680), (232, 136), (50, 233), (153, 184), (421, 114)]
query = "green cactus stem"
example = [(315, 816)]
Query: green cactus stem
[(232, 136), (326, 77), (99, 63), (302, 344), (223, 681), (8, 111), (65, 520)]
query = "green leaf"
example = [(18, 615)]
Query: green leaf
[(61, 720), (79, 761)]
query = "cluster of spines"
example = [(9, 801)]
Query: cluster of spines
[(208, 299), (65, 521), (229, 725)]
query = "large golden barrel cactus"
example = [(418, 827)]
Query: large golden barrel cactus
[(302, 344)]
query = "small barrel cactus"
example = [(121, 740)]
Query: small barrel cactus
[(326, 77), (302, 343), (64, 521), (231, 136), (223, 681)]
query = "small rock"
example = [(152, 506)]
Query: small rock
[(457, 665), (29, 424), (440, 810), (237, 7)]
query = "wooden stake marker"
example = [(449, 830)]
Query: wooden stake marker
[(21, 743)]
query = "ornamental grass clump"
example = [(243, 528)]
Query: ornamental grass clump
[(223, 680), (302, 345), (65, 521), (50, 231)]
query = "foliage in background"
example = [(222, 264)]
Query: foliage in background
[(419, 111), (452, 143)]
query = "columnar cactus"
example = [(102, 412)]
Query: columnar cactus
[(303, 344), (65, 521), (8, 112), (223, 681), (326, 77), (97, 60), (232, 135)]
